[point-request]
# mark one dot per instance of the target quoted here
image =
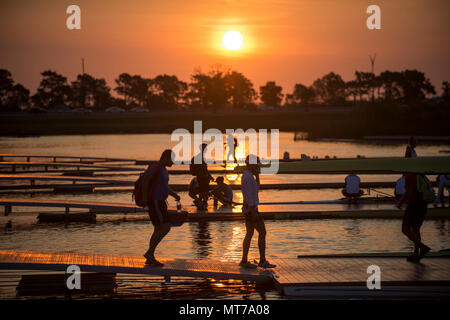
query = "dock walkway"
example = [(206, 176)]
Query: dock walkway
[(335, 276), (109, 263)]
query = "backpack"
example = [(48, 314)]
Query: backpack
[(425, 187), (138, 187)]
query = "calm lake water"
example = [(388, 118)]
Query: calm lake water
[(212, 240)]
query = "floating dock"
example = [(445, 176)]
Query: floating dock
[(423, 165), (214, 214), (332, 276), (305, 277), (55, 158), (83, 168), (76, 183)]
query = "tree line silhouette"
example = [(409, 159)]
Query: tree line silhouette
[(216, 89)]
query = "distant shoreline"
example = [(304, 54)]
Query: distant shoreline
[(338, 124)]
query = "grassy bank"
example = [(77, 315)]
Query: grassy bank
[(330, 124)]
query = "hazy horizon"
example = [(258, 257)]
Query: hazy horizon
[(284, 41)]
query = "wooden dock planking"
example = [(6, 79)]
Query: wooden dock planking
[(29, 260), (305, 276), (330, 274)]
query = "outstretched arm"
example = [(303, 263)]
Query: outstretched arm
[(174, 194)]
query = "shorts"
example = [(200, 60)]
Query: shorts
[(203, 184), (157, 210), (248, 216), (415, 214)]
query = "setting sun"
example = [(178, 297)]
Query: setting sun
[(232, 40)]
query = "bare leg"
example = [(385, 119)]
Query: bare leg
[(204, 199), (159, 233), (261, 228), (413, 234), (229, 154), (250, 229)]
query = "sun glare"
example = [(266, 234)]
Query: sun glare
[(232, 40)]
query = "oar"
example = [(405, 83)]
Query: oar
[(381, 192)]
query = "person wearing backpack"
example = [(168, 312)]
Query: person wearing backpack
[(416, 196), (155, 190)]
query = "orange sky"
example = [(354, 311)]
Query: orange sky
[(289, 41)]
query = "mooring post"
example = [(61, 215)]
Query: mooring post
[(67, 211), (167, 279)]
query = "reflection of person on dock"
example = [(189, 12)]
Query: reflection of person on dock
[(222, 192), (352, 189), (199, 169), (157, 180), (253, 220), (414, 216)]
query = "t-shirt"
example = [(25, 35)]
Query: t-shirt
[(200, 169), (250, 189), (400, 186), (161, 191), (228, 193), (410, 153), (352, 184)]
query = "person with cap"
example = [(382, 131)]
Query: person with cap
[(253, 220)]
